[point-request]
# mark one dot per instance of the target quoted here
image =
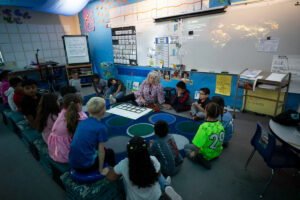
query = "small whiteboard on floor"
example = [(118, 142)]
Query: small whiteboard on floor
[(129, 111)]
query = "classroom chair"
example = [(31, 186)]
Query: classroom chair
[(102, 189), (276, 157)]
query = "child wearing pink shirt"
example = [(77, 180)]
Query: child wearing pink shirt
[(47, 113), (64, 128)]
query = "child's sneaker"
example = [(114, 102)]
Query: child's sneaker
[(112, 100), (168, 179), (195, 118), (172, 193), (202, 161)]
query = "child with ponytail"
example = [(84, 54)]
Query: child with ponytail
[(64, 128)]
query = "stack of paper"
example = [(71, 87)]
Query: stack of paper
[(250, 73), (275, 77)]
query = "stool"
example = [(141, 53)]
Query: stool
[(168, 94), (43, 155), (102, 189), (57, 170)]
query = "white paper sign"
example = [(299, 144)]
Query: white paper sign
[(270, 45)]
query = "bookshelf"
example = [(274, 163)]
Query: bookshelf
[(85, 71)]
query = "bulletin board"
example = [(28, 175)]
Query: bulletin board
[(124, 45)]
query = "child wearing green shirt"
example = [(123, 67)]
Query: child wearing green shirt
[(207, 143)]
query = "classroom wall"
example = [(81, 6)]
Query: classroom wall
[(100, 42), (23, 31), (200, 80)]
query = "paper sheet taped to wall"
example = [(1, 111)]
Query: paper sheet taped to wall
[(223, 84)]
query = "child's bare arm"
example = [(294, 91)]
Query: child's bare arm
[(118, 90), (112, 175), (101, 156)]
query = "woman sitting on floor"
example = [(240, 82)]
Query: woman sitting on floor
[(150, 92)]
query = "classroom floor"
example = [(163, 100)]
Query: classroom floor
[(22, 177)]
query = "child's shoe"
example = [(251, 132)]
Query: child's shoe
[(112, 100), (195, 118), (168, 179), (172, 193), (202, 161)]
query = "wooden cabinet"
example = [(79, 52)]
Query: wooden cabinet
[(85, 73)]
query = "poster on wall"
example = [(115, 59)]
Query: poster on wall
[(185, 76), (223, 85), (162, 51), (124, 45)]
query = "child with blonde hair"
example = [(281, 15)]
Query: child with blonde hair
[(64, 128), (88, 152)]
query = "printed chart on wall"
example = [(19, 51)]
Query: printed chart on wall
[(162, 51), (124, 45), (286, 64), (223, 85)]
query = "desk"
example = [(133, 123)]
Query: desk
[(287, 134)]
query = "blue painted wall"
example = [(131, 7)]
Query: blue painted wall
[(100, 40), (200, 80)]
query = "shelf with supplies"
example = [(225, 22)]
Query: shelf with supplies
[(85, 73), (264, 92)]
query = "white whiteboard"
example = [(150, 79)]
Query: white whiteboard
[(76, 49), (228, 41)]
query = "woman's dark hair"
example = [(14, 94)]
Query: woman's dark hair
[(161, 128), (141, 168), (70, 102), (213, 110), (109, 82), (220, 101), (47, 106)]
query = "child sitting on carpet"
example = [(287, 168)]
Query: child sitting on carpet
[(207, 143), (75, 81), (164, 148), (226, 119), (198, 108), (100, 85), (47, 113), (182, 100), (64, 128), (141, 174), (87, 149), (116, 88)]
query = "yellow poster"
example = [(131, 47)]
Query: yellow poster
[(223, 84)]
